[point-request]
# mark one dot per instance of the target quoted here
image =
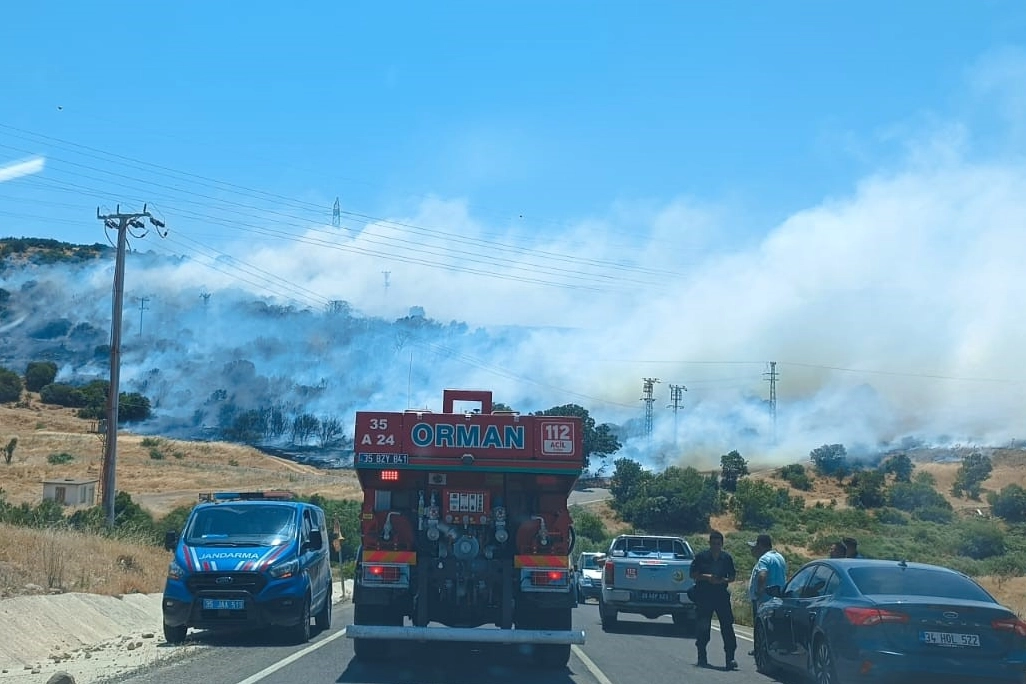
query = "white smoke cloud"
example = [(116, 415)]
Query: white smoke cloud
[(25, 167), (892, 311)]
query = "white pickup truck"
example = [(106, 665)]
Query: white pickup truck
[(647, 575)]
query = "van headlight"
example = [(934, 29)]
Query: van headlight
[(174, 571), (284, 570)]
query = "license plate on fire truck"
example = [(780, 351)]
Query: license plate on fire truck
[(384, 459)]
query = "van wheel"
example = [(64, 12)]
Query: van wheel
[(300, 633), (175, 635), (323, 617)]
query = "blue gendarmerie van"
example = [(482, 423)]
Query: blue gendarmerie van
[(249, 559)]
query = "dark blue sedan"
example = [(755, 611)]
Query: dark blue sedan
[(860, 620)]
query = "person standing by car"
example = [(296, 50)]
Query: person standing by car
[(851, 546), (838, 550), (713, 570), (769, 575), (770, 572)]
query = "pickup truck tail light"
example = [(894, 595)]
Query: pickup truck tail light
[(607, 572)]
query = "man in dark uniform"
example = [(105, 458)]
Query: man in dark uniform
[(713, 570)]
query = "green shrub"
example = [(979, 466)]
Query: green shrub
[(59, 459), (39, 374), (10, 386)]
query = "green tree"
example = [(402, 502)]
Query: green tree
[(971, 475), (60, 394), (915, 496), (900, 466), (9, 450), (831, 460), (599, 440), (866, 489), (628, 481), (10, 386), (588, 525), (679, 500), (795, 475), (132, 407), (981, 539), (757, 504), (732, 468), (1009, 503), (39, 374)]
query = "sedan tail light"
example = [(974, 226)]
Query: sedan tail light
[(867, 617), (1011, 624)]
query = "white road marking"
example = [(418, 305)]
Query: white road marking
[(591, 666), (739, 635), (268, 671)]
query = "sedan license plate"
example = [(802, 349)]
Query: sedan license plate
[(950, 639), (224, 604), (654, 596)]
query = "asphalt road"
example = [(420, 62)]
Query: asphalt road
[(639, 651), (583, 497)]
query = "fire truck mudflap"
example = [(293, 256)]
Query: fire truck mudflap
[(465, 531)]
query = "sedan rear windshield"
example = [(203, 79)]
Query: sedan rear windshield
[(916, 582)]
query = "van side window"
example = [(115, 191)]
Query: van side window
[(307, 526)]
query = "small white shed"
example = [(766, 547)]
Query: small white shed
[(70, 492)]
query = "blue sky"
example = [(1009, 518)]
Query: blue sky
[(837, 187), (546, 111)]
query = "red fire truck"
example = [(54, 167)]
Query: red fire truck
[(465, 530)]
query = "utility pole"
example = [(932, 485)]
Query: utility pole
[(121, 223), (676, 396), (142, 307), (649, 399), (771, 377)]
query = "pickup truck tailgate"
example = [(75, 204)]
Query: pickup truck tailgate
[(651, 574)]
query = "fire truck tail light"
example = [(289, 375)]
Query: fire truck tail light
[(548, 578), (381, 574)]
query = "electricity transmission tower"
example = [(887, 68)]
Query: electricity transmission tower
[(649, 399), (336, 214), (121, 223), (676, 397), (771, 377), (142, 307)]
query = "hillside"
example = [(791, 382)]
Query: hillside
[(186, 469), (180, 471)]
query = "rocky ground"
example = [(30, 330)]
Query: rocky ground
[(89, 637)]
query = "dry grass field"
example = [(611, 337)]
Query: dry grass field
[(66, 561)]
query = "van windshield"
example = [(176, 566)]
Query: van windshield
[(241, 525)]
